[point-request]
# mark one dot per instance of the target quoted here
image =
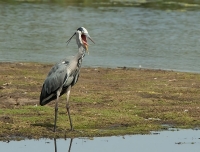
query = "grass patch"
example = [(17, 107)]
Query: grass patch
[(104, 102)]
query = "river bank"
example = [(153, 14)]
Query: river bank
[(104, 102)]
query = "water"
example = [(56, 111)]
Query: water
[(148, 37), (124, 36), (165, 141)]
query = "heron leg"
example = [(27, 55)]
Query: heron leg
[(67, 107), (56, 110)]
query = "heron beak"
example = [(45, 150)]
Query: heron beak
[(84, 39), (89, 37)]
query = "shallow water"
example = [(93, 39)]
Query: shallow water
[(165, 141), (124, 36)]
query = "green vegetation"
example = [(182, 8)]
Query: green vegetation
[(154, 4), (104, 102)]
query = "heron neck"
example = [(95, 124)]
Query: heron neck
[(81, 49), (81, 53), (79, 39)]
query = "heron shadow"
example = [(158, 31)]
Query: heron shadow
[(45, 125), (50, 127)]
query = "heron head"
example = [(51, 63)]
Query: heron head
[(84, 36)]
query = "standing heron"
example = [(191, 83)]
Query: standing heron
[(64, 75)]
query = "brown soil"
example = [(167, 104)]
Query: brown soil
[(112, 96)]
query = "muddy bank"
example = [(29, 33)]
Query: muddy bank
[(103, 102)]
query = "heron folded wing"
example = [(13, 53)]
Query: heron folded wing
[(53, 82)]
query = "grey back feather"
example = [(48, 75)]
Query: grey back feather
[(61, 75), (53, 82)]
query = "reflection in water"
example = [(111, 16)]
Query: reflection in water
[(70, 145), (55, 145)]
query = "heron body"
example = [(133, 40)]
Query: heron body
[(64, 75), (61, 76)]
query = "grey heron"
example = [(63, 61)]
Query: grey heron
[(65, 74)]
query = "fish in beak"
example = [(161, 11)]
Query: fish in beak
[(84, 40)]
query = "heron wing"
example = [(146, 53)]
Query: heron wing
[(53, 82), (63, 74)]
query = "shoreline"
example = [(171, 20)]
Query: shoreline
[(109, 67), (104, 102)]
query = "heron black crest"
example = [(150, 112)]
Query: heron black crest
[(70, 38), (80, 29)]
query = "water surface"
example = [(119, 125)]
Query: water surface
[(164, 141), (124, 36)]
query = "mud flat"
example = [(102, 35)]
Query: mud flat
[(104, 102)]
